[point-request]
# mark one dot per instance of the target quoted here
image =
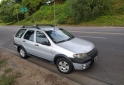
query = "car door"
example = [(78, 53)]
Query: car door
[(28, 41), (43, 46)]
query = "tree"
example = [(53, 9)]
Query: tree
[(6, 10), (59, 1), (9, 10), (18, 1), (33, 5)]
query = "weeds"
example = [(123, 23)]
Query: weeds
[(8, 80)]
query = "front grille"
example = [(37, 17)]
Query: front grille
[(92, 53)]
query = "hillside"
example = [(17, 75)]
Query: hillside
[(112, 16)]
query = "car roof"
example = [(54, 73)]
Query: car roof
[(40, 27)]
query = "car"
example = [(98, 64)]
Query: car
[(57, 45)]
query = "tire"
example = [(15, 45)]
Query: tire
[(64, 66), (23, 53)]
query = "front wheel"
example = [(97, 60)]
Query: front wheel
[(23, 53), (64, 66)]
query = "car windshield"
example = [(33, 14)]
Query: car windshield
[(59, 35)]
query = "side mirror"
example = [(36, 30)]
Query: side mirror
[(45, 43)]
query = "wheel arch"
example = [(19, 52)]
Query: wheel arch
[(61, 56), (19, 46)]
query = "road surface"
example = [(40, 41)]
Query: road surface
[(107, 70)]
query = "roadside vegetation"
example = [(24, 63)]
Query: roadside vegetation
[(69, 12), (7, 77)]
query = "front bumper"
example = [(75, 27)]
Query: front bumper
[(78, 66), (85, 63)]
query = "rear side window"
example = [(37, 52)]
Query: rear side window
[(29, 35), (20, 33)]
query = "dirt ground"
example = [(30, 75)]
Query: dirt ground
[(31, 74)]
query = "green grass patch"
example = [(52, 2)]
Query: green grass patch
[(8, 77), (3, 61), (7, 70), (108, 20), (8, 80)]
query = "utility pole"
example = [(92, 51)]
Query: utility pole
[(54, 13), (47, 3), (17, 16)]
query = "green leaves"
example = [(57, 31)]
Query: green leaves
[(33, 5), (9, 10), (87, 9)]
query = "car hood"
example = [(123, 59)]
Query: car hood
[(77, 45)]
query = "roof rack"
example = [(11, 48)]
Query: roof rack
[(45, 25), (38, 26), (30, 27)]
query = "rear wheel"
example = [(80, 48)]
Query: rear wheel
[(23, 53), (64, 66)]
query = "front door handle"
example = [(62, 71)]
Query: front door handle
[(36, 45), (23, 41)]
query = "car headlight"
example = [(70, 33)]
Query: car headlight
[(80, 56)]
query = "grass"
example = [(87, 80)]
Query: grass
[(2, 62), (7, 70), (8, 80), (113, 20), (46, 15), (8, 77)]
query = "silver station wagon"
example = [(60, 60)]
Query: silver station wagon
[(56, 45)]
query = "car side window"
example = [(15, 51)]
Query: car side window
[(20, 33), (29, 35), (41, 38)]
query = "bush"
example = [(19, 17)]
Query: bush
[(120, 10), (62, 19), (88, 9)]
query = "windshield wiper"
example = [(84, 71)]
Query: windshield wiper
[(69, 38), (65, 40), (61, 41)]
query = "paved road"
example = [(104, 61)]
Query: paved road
[(107, 70)]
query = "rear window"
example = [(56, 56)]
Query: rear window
[(20, 33), (29, 35)]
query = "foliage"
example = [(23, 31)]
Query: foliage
[(67, 11), (6, 9), (8, 80), (88, 9), (62, 13), (59, 1), (18, 1), (9, 10), (117, 7), (33, 5), (107, 20), (46, 13)]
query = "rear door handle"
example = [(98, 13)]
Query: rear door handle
[(36, 45)]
